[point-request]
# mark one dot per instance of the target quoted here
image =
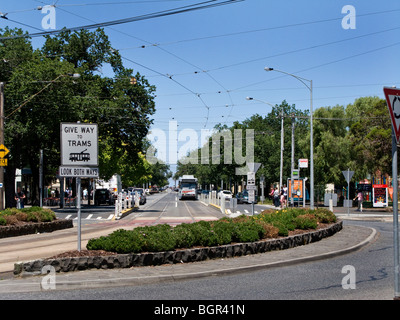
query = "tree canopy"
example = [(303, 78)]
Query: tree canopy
[(357, 136), (40, 93)]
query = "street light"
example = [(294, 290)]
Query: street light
[(282, 143), (310, 87)]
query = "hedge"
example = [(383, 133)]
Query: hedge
[(12, 216), (163, 237)]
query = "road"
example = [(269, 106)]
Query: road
[(163, 207), (318, 280)]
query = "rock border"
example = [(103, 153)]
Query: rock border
[(34, 227), (34, 267)]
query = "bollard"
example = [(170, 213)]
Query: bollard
[(137, 199), (222, 203), (331, 205)]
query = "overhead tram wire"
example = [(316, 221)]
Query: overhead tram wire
[(164, 13), (188, 8), (169, 76)]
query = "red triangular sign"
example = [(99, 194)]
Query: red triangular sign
[(393, 102)]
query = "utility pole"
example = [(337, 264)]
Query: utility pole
[(2, 142), (292, 165)]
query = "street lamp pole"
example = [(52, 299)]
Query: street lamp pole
[(310, 87), (282, 141)]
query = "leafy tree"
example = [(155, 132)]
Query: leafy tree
[(40, 95)]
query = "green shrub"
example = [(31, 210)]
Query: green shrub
[(269, 224), (3, 221), (325, 216), (306, 221), (157, 238), (120, 241), (184, 237)]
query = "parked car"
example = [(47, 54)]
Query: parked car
[(103, 196), (226, 193), (142, 195), (243, 197)]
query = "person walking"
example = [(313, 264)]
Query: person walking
[(360, 199), (19, 197), (276, 197)]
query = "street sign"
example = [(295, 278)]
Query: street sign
[(303, 163), (348, 175), (79, 145), (252, 195), (393, 102), (251, 187), (82, 172), (251, 178), (296, 173), (3, 151)]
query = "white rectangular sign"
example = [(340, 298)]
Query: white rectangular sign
[(79, 145), (303, 163), (252, 195), (251, 178), (79, 172)]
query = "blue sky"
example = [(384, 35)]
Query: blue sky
[(216, 57)]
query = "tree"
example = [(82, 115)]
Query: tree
[(41, 94)]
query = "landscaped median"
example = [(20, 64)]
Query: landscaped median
[(163, 244), (18, 222)]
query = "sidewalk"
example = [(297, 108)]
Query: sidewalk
[(349, 239)]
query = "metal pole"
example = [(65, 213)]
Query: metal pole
[(311, 149), (1, 142), (395, 218), (282, 146), (41, 179), (292, 165), (78, 205)]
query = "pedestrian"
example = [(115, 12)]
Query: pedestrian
[(19, 197), (271, 194), (283, 197), (276, 197), (360, 199), (285, 193)]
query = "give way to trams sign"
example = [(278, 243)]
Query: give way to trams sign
[(79, 145), (393, 102)]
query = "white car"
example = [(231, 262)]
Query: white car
[(226, 194)]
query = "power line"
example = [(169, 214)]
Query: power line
[(164, 13)]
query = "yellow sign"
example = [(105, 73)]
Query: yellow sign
[(3, 151), (3, 162)]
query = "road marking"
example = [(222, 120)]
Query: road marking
[(110, 217), (89, 216), (99, 218), (229, 211), (68, 216), (246, 211)]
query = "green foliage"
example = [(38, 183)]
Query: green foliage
[(41, 94), (244, 228), (31, 214)]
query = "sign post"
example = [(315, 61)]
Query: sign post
[(79, 157), (251, 184), (393, 103), (348, 175)]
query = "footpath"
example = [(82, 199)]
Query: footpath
[(38, 246)]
